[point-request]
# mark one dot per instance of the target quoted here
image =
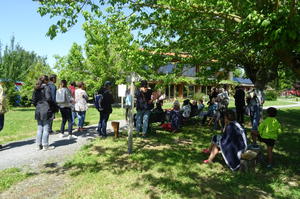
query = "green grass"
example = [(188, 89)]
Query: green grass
[(20, 123), (9, 177), (167, 165)]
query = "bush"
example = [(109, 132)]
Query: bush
[(197, 96), (271, 95)]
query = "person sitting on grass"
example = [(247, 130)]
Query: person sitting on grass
[(200, 107), (232, 143), (268, 132), (194, 108), (186, 109), (175, 119), (212, 109), (158, 114)]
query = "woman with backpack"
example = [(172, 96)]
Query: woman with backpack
[(81, 106), (3, 108), (64, 100), (42, 99)]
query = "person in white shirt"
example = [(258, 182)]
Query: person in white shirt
[(81, 106), (64, 100)]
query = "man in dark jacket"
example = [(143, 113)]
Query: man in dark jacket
[(239, 97), (106, 110), (144, 104)]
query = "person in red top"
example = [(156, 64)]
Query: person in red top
[(72, 88)]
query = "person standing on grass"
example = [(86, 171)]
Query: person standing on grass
[(53, 88), (72, 88), (41, 99), (3, 108), (64, 100), (256, 101), (81, 106), (128, 99), (268, 132), (239, 97), (106, 109)]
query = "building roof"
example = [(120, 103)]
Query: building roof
[(169, 68), (243, 81)]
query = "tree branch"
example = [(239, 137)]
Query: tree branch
[(196, 9)]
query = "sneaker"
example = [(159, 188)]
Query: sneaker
[(253, 147), (62, 135), (72, 137), (47, 148), (39, 147)]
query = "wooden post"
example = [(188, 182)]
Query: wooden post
[(130, 129)]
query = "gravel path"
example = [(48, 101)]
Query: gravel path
[(23, 154)]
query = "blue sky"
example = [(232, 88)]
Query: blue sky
[(20, 18)]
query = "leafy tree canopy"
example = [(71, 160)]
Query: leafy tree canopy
[(258, 35)]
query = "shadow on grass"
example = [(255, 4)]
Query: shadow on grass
[(168, 163)]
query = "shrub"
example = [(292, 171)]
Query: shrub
[(197, 96), (271, 95)]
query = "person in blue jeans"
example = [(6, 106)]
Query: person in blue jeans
[(41, 99), (106, 110), (144, 103), (256, 100)]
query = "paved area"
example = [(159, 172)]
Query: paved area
[(24, 154), (296, 104)]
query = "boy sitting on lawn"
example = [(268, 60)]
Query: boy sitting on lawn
[(268, 132)]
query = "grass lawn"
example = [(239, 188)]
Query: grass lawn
[(167, 165), (20, 123), (9, 177)]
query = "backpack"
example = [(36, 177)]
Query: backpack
[(98, 102), (3, 105), (61, 96)]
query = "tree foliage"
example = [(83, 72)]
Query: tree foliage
[(109, 53), (258, 35), (17, 64)]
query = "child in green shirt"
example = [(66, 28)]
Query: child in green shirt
[(268, 132)]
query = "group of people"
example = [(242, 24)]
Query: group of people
[(232, 142), (217, 105), (71, 102), (147, 113)]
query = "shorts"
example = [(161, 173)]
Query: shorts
[(216, 139), (268, 142)]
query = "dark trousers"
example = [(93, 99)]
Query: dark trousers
[(1, 121), (103, 123), (66, 114), (240, 114)]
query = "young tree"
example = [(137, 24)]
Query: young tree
[(17, 64)]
